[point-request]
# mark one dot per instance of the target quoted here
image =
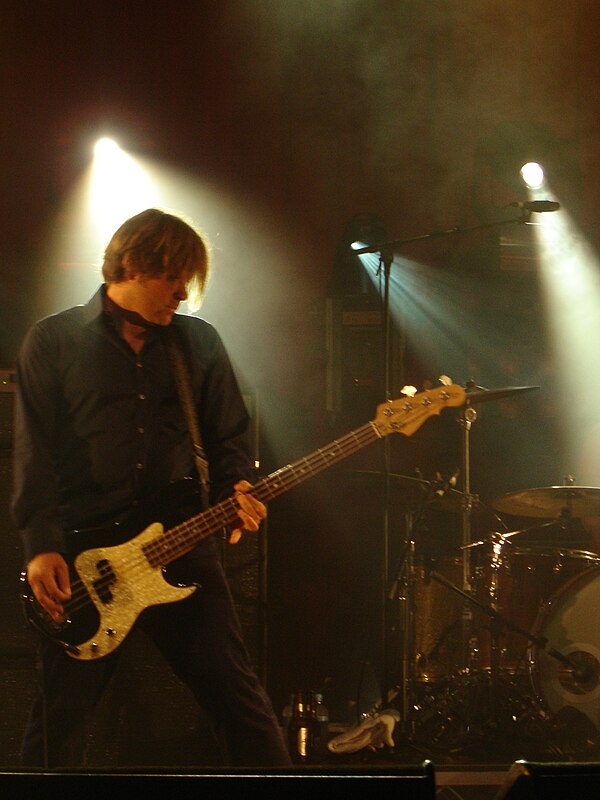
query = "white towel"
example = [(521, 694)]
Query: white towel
[(373, 732)]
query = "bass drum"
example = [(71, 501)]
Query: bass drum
[(569, 625), (516, 582)]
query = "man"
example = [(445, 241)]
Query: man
[(100, 435)]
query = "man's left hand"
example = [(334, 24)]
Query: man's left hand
[(251, 511)]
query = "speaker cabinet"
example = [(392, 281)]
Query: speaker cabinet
[(355, 363), (556, 781), (17, 673), (15, 637)]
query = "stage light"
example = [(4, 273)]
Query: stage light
[(119, 187), (515, 159), (532, 174), (106, 148)]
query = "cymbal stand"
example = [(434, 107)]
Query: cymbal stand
[(469, 641), (466, 420), (469, 644), (403, 590)]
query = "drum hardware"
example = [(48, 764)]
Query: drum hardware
[(443, 494), (418, 493), (386, 252), (570, 620), (578, 669), (504, 538), (580, 672), (475, 394), (436, 648), (471, 707), (399, 584), (467, 707), (498, 623), (463, 717), (557, 704)]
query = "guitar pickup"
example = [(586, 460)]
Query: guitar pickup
[(105, 580)]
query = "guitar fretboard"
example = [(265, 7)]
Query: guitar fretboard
[(184, 537)]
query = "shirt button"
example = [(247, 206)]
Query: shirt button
[(139, 466), (141, 396), (140, 429)]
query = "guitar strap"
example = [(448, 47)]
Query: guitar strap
[(182, 378)]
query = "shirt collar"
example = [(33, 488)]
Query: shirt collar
[(96, 308)]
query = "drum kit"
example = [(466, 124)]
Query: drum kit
[(501, 641)]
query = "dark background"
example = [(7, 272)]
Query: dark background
[(297, 116)]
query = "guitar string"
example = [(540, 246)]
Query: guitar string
[(80, 595), (226, 512), (223, 514)]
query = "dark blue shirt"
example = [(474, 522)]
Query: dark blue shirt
[(100, 431)]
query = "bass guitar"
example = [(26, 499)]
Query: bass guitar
[(112, 585)]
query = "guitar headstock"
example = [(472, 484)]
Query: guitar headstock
[(407, 414)]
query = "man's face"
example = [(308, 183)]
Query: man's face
[(156, 298)]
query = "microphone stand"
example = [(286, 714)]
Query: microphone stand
[(386, 252), (388, 247), (387, 257)]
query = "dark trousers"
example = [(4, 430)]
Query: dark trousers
[(201, 639)]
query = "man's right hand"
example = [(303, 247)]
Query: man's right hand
[(48, 577)]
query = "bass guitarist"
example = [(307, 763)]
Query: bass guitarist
[(101, 436)]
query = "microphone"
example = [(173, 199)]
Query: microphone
[(443, 486), (539, 206), (583, 672)]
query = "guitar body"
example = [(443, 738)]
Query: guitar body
[(112, 586)]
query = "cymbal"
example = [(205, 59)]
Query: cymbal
[(551, 502), (502, 537), (416, 490), (479, 395)]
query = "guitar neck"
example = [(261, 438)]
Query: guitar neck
[(184, 537), (403, 416), (294, 474)]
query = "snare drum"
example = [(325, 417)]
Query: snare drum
[(438, 614)]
